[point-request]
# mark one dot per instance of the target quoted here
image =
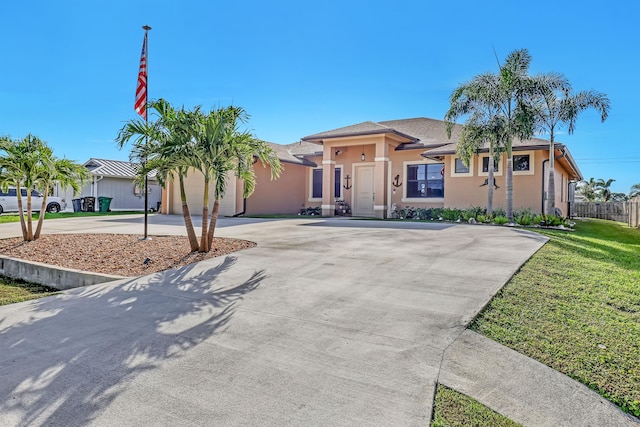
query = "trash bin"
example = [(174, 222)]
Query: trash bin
[(77, 205), (104, 203), (88, 204), (158, 206)]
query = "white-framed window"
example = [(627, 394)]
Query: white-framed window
[(423, 181), (459, 169), (315, 184), (523, 162), (483, 166)]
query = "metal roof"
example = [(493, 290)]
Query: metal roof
[(114, 168)]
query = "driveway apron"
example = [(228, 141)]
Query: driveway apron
[(326, 322)]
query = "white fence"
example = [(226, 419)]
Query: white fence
[(628, 212)]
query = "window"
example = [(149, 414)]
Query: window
[(337, 191), (485, 165), (521, 163), (425, 180), (460, 167), (316, 183), (316, 192)]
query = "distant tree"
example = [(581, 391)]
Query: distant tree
[(588, 189), (635, 191), (618, 197), (604, 189)]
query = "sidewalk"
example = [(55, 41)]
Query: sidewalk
[(523, 389)]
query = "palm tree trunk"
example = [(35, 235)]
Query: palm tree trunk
[(23, 225), (29, 217), (490, 181), (191, 233), (214, 220), (551, 189), (204, 244), (509, 183), (43, 210)]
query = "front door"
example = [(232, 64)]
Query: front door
[(364, 191)]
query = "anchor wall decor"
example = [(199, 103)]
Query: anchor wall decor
[(396, 182), (347, 187)]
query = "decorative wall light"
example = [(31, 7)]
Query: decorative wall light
[(362, 155)]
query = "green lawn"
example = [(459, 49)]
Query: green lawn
[(16, 218), (453, 409), (575, 306), (12, 291)]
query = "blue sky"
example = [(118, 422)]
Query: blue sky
[(69, 68)]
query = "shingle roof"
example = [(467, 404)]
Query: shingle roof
[(364, 128), (527, 144), (295, 153), (420, 132), (113, 168)]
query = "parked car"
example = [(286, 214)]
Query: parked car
[(9, 201)]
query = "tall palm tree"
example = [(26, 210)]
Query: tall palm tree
[(554, 106), (502, 96), (66, 173), (163, 145), (222, 147)]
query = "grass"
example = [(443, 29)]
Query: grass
[(453, 409), (16, 218), (575, 306), (12, 291)]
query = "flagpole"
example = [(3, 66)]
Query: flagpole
[(146, 29)]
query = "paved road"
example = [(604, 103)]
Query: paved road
[(325, 322)]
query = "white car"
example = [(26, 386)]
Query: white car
[(9, 201)]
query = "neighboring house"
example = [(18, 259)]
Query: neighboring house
[(115, 179), (374, 166)]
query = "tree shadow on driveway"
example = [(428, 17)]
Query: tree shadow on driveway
[(66, 358)]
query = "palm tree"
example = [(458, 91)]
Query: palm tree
[(500, 96), (21, 163), (635, 191), (554, 106), (604, 189), (588, 189), (29, 163), (65, 172), (164, 145), (221, 147)]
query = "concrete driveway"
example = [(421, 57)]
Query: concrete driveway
[(325, 322)]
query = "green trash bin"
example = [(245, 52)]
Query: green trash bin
[(104, 203)]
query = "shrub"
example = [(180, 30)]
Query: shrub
[(436, 213), (449, 214), (499, 212), (501, 220), (482, 218), (473, 212)]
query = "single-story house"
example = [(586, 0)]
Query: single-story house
[(372, 167), (115, 179)]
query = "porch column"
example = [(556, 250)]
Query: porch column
[(328, 181), (380, 180)]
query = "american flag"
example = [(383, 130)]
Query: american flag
[(141, 90)]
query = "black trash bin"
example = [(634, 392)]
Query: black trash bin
[(158, 206), (77, 205), (88, 204)]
